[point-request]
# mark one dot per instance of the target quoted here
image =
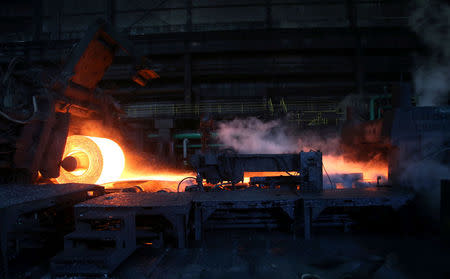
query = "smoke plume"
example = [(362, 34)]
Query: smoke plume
[(430, 21), (425, 177), (255, 136)]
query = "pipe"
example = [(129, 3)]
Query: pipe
[(372, 104), (187, 136), (185, 147), (372, 107), (191, 136), (172, 149), (199, 145), (380, 108)]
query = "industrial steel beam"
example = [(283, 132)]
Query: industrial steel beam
[(323, 39)]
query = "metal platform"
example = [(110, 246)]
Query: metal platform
[(315, 203), (13, 195), (107, 229), (98, 245), (188, 212), (27, 212), (174, 207)]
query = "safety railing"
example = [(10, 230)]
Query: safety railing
[(310, 112)]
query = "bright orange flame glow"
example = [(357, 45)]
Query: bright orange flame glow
[(338, 165), (102, 161), (113, 159), (99, 160), (167, 176), (116, 169), (247, 175), (151, 182), (370, 170)]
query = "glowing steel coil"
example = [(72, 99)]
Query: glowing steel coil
[(91, 160)]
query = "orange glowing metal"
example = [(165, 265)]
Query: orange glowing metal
[(113, 159), (102, 160), (370, 170), (151, 178), (157, 176), (248, 175), (99, 160), (338, 165)]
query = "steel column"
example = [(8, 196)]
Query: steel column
[(189, 15), (57, 8), (353, 25), (187, 78), (3, 244), (268, 19), (198, 223), (111, 11), (308, 221), (37, 19), (445, 208), (181, 231)]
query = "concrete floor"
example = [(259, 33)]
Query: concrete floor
[(263, 254)]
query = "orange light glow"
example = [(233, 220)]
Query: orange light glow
[(156, 176), (102, 160), (113, 159), (338, 165), (99, 160), (152, 180), (248, 175), (370, 170)]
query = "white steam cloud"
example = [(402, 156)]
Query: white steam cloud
[(431, 21), (432, 82), (255, 136), (425, 177)]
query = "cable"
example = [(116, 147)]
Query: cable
[(323, 165), (35, 109), (327, 174), (290, 174), (6, 80), (11, 67), (189, 177)]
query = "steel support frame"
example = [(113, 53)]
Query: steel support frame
[(9, 216), (204, 209), (313, 207)]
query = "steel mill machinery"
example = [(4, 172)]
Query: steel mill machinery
[(402, 135), (110, 227), (92, 232), (216, 168), (37, 114)]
